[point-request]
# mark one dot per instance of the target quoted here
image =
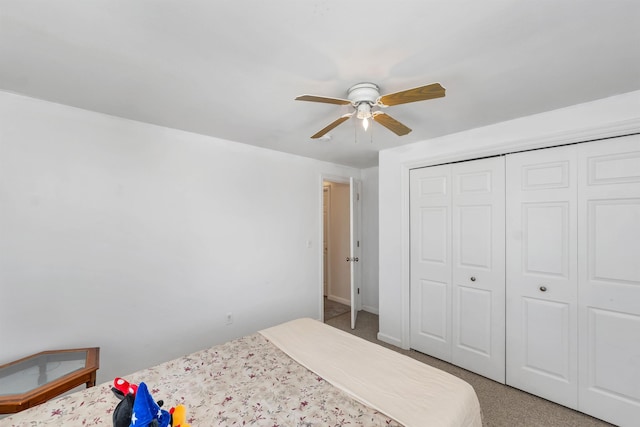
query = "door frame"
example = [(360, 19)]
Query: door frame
[(326, 234), (338, 179)]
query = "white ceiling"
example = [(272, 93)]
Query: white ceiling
[(232, 68)]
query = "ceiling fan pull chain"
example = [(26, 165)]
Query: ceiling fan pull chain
[(355, 132), (371, 135)]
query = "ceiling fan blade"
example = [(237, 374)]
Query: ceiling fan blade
[(422, 93), (332, 125), (325, 99), (390, 123)]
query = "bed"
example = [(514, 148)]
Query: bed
[(300, 373)]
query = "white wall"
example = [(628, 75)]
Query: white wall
[(613, 116), (369, 243), (139, 239)]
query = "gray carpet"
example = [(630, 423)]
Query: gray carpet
[(501, 405), (333, 309)]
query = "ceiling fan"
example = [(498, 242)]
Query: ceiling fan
[(365, 97)]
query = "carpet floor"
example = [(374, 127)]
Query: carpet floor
[(333, 309), (501, 405)]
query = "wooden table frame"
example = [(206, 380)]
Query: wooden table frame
[(10, 404)]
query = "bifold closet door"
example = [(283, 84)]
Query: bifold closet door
[(478, 284), (457, 264), (430, 230), (541, 269), (609, 289)]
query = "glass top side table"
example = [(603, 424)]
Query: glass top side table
[(37, 378)]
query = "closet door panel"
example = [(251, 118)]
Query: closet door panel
[(433, 322), (541, 270), (432, 228), (612, 223), (475, 225), (610, 349), (545, 229), (474, 327), (478, 266), (545, 335), (609, 295), (430, 289)]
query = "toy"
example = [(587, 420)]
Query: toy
[(137, 408), (122, 387), (123, 411), (179, 416), (146, 412)]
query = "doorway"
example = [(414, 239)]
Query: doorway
[(336, 249)]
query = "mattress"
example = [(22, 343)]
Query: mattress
[(300, 373)]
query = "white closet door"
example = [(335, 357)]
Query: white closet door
[(457, 264), (542, 273), (478, 285), (609, 294), (430, 289)]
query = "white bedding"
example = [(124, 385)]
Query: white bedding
[(404, 389)]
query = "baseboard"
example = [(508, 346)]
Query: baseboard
[(389, 339), (338, 299), (372, 310)]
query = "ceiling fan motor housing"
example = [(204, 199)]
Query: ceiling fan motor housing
[(364, 92), (363, 96)]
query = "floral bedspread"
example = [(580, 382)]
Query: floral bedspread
[(244, 382)]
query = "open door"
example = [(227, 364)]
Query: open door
[(354, 255)]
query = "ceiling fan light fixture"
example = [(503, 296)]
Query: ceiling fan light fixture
[(364, 113), (364, 110), (365, 124)]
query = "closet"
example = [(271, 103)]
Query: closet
[(570, 258)]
